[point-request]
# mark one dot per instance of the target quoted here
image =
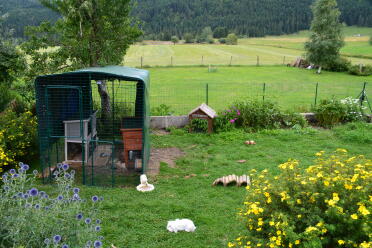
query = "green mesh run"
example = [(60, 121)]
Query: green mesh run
[(74, 127)]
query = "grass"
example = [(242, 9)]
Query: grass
[(272, 50), (183, 88), (134, 219)]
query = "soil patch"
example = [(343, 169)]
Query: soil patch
[(166, 155)]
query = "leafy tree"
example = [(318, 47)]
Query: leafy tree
[(189, 38), (90, 33), (206, 35), (174, 39), (232, 39), (220, 32), (326, 38)]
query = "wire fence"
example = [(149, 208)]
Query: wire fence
[(181, 99)]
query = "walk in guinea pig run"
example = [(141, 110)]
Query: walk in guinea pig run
[(97, 121)]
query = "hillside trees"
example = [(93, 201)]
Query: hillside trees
[(326, 38), (91, 33)]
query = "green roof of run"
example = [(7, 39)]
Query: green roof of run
[(99, 73)]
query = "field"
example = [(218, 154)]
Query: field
[(183, 88), (271, 50), (133, 219)]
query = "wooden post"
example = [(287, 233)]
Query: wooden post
[(141, 61), (202, 61), (210, 125), (171, 60), (258, 60), (230, 60), (284, 60)]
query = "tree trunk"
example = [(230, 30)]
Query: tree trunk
[(105, 100), (319, 70)]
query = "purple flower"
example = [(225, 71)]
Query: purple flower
[(95, 198), (67, 176), (47, 208), (15, 175), (25, 196), (46, 196), (101, 198), (76, 190), (20, 194), (228, 110), (232, 121), (41, 193), (59, 166), (37, 206), (60, 198), (47, 241), (98, 221), (97, 244), (4, 177), (88, 221), (79, 216), (65, 246), (57, 238), (238, 112), (33, 192), (65, 167), (21, 170), (25, 167), (75, 197), (12, 171), (97, 228)]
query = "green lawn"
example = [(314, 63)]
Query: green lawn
[(272, 50), (183, 88), (134, 219)]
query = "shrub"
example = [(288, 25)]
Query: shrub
[(364, 70), (255, 115), (199, 125), (326, 205), (5, 97), (161, 110), (338, 65), (32, 218), (189, 38), (222, 40), (174, 39), (17, 137), (232, 39), (331, 112)]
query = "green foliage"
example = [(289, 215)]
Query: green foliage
[(256, 115), (32, 218), (332, 112), (5, 97), (355, 132), (206, 35), (18, 139), (325, 205), (189, 38), (338, 65), (326, 38), (232, 39), (161, 110), (222, 40), (364, 70), (174, 39), (220, 32), (199, 125)]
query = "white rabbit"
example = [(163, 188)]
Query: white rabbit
[(181, 225)]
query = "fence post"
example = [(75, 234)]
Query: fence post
[(258, 60), (171, 60), (202, 61), (141, 61), (284, 60), (263, 92), (206, 93), (230, 61), (316, 94)]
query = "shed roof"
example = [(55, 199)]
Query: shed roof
[(206, 109), (100, 73)]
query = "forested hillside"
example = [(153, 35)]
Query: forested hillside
[(163, 18)]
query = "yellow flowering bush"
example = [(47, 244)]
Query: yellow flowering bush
[(326, 205), (17, 138)]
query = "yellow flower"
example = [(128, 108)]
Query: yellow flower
[(326, 183), (271, 223), (230, 244), (297, 242), (298, 201), (341, 242), (363, 210), (354, 216), (299, 216), (258, 229), (348, 186)]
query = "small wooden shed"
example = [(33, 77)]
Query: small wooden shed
[(203, 112)]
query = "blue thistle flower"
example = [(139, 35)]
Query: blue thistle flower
[(4, 177), (6, 188), (97, 244), (79, 216), (47, 241), (25, 196), (88, 221), (21, 171), (101, 198), (12, 171), (75, 197), (25, 167), (95, 198), (33, 192), (65, 167), (15, 175), (98, 221), (35, 172), (59, 165), (97, 228), (47, 208), (76, 190), (57, 238), (37, 206), (72, 172), (67, 176), (100, 237), (41, 193), (65, 246), (60, 198)]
